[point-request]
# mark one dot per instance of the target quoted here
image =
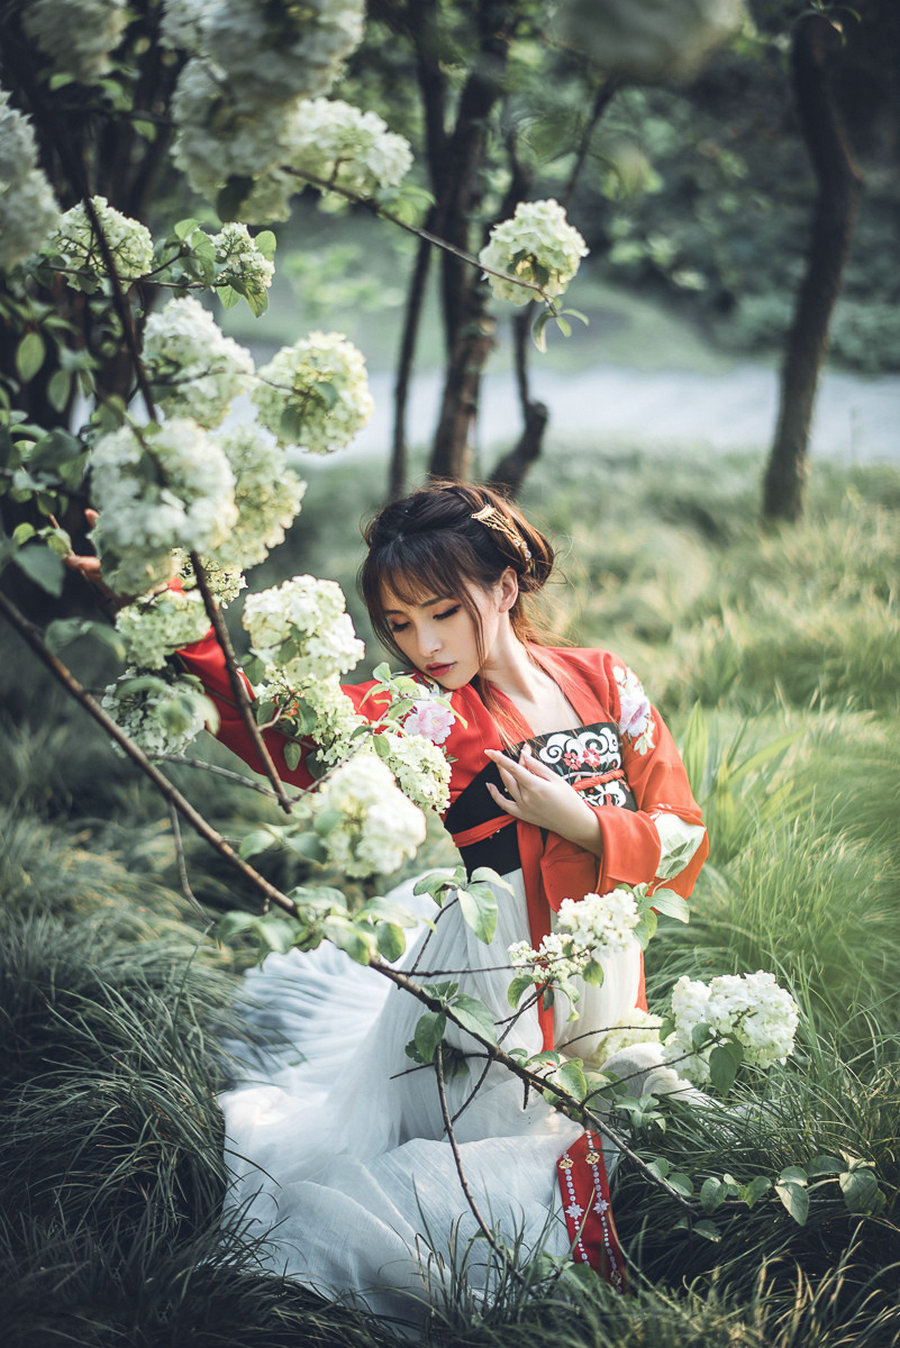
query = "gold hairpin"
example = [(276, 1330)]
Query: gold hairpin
[(492, 518)]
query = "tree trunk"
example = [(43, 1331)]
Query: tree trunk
[(451, 451), (839, 183)]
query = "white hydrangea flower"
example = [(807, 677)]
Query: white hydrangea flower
[(163, 487), (537, 245), (301, 631), (315, 393), (336, 720), (28, 208), (354, 150), (556, 959), (162, 716), (157, 625), (267, 493), (129, 241), (274, 52), (225, 583), (421, 769), (79, 36), (751, 1008), (602, 924), (240, 258), (195, 369), (635, 712), (376, 826)]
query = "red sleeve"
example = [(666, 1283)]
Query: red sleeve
[(205, 659)]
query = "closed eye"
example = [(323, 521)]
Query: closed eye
[(448, 612)]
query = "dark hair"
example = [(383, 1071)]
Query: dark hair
[(432, 544)]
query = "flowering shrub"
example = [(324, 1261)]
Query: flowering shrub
[(28, 208), (161, 487), (367, 825), (129, 241), (600, 924), (420, 767), (267, 494), (355, 150), (301, 632), (242, 263), (537, 245), (315, 393), (750, 1009), (78, 35), (195, 369), (157, 625), (161, 715)]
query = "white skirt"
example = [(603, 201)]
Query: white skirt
[(336, 1146)]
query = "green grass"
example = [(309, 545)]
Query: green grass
[(774, 656)]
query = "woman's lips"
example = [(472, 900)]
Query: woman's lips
[(439, 669)]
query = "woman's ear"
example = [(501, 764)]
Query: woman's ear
[(507, 590)]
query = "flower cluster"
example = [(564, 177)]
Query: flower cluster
[(420, 767), (601, 924), (233, 125), (556, 960), (346, 148), (240, 260), (129, 241), (161, 715), (430, 718), (267, 493), (367, 825), (301, 632), (195, 369), (77, 35), (538, 246), (28, 209), (315, 393), (225, 583), (336, 719), (635, 712), (750, 1008), (156, 625), (162, 487)]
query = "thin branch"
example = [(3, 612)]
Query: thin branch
[(183, 877), (229, 775), (32, 636), (238, 687), (501, 1252)]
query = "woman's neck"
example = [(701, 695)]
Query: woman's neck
[(534, 693)]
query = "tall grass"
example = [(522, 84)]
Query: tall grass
[(775, 658)]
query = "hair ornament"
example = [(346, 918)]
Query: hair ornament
[(494, 519)]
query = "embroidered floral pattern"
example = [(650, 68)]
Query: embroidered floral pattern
[(585, 753), (636, 722)]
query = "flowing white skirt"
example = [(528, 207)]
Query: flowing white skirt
[(337, 1147)]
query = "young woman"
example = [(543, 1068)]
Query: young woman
[(565, 781)]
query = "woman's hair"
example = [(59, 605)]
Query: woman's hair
[(441, 542)]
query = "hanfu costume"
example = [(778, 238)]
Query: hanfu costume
[(341, 1153)]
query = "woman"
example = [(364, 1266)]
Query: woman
[(564, 780)]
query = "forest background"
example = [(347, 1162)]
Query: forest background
[(773, 651)]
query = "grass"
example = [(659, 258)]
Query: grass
[(774, 656)]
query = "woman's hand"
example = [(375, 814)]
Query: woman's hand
[(538, 795), (88, 565)]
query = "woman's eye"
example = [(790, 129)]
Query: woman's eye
[(398, 627), (447, 613)]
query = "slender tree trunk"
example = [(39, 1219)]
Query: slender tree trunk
[(839, 183), (509, 472)]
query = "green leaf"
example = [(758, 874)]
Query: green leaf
[(479, 909), (474, 1015), (23, 533), (576, 313), (795, 1198), (571, 1078), (228, 295), (256, 841), (645, 930), (265, 241), (751, 1193), (824, 1165), (593, 973), (429, 1033), (538, 332), (185, 228), (681, 1183), (42, 566), (722, 1069), (516, 988), (860, 1189), (700, 1036), (293, 752), (230, 924), (359, 945), (672, 904), (707, 1230), (62, 631), (793, 1174), (712, 1194), (486, 875), (58, 390), (391, 941), (30, 354), (276, 932)]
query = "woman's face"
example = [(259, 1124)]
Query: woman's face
[(439, 636)]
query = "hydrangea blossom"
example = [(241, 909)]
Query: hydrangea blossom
[(78, 35), (301, 631), (157, 625), (162, 716), (195, 369), (240, 259), (635, 712), (750, 1008), (267, 493), (336, 718), (556, 959), (602, 924), (373, 827), (537, 245), (129, 241), (347, 148), (166, 486), (28, 208), (421, 769), (315, 393)]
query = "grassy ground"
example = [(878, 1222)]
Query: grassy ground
[(775, 658)]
